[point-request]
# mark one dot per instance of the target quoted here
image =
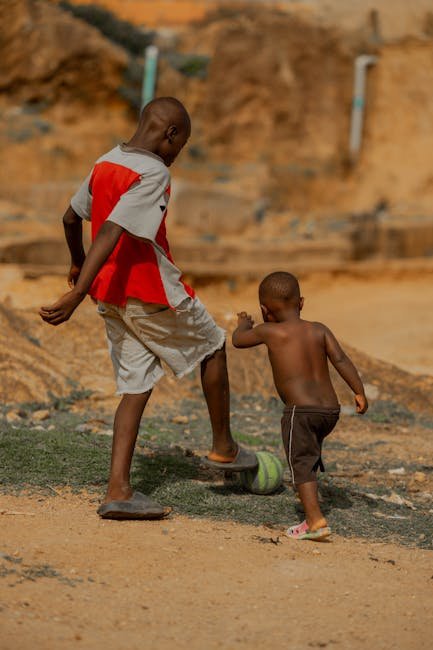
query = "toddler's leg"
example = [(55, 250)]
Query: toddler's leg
[(309, 497), (126, 424), (215, 383)]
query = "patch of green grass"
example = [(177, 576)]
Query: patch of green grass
[(61, 457), (387, 412), (165, 468), (250, 439)]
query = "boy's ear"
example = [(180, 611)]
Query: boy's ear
[(301, 303), (265, 313), (171, 133)]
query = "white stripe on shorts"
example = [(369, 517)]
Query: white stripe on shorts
[(290, 445)]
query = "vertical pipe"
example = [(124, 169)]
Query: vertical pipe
[(149, 75), (357, 120)]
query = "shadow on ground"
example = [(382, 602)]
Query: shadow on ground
[(358, 499)]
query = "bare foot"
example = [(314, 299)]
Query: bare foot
[(118, 494), (227, 457)]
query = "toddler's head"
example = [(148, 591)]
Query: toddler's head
[(279, 291)]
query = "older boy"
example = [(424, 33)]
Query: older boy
[(150, 313), (298, 352)]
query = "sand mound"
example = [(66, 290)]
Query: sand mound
[(28, 372), (277, 99), (36, 360), (271, 115), (277, 94), (47, 55), (250, 374)]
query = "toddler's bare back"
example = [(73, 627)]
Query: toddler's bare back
[(299, 360)]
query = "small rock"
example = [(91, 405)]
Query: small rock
[(371, 391), (105, 432), (13, 416), (397, 470), (41, 415), (38, 427), (419, 477), (82, 428), (180, 419)]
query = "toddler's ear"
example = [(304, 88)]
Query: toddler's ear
[(301, 303), (265, 313)]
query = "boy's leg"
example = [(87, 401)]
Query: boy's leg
[(309, 497), (126, 424), (215, 383)]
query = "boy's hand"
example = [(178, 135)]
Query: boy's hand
[(73, 275), (245, 321), (361, 404), (63, 309)]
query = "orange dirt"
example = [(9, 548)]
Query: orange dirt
[(194, 584)]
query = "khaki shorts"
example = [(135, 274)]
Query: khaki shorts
[(141, 335)]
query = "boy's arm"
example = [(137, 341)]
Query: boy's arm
[(102, 247), (246, 335), (73, 227), (346, 370)]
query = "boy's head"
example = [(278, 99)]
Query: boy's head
[(165, 122), (279, 292)]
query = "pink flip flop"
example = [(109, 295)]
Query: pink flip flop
[(301, 531)]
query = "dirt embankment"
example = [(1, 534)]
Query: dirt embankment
[(284, 112), (47, 56), (29, 372), (270, 117), (38, 360)]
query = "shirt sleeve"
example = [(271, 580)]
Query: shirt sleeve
[(81, 202), (141, 209)]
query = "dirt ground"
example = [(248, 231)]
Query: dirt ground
[(68, 579), (197, 584), (387, 316)]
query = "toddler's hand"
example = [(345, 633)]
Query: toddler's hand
[(361, 404), (245, 320)]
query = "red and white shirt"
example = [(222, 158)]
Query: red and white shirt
[(131, 187)]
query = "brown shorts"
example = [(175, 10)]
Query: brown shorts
[(303, 429)]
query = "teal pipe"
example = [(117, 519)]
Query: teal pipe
[(149, 75)]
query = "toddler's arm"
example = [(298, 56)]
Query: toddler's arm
[(346, 370), (246, 335)]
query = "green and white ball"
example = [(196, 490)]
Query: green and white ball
[(266, 478)]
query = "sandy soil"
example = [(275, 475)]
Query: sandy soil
[(68, 579), (387, 317), (65, 580), (199, 584)]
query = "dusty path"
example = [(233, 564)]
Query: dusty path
[(199, 584)]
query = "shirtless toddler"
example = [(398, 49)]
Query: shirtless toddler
[(298, 352)]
